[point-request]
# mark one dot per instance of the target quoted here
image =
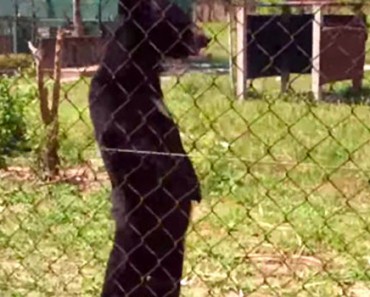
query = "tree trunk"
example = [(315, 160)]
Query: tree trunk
[(50, 9), (77, 19), (49, 110), (51, 157)]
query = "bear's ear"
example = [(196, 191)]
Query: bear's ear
[(125, 6)]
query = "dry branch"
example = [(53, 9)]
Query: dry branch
[(49, 110)]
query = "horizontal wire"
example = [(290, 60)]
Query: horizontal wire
[(240, 159)]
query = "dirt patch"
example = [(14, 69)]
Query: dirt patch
[(358, 290), (346, 186), (84, 176), (271, 265)]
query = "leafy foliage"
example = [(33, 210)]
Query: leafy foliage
[(13, 124)]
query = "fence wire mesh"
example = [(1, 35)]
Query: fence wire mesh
[(284, 171)]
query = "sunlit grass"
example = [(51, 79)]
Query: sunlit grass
[(285, 184)]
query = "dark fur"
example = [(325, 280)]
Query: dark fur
[(151, 193)]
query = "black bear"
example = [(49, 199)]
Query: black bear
[(153, 181)]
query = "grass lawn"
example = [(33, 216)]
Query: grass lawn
[(285, 183), (285, 210)]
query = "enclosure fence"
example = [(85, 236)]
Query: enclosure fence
[(273, 114)]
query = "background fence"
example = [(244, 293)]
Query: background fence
[(285, 177), (23, 20)]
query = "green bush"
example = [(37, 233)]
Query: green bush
[(13, 124), (15, 61)]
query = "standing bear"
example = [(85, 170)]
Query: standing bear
[(153, 180)]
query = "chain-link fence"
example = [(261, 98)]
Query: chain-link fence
[(273, 117)]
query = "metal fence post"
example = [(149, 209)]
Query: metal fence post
[(316, 47), (241, 53), (15, 27), (100, 14)]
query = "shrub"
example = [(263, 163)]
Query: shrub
[(15, 61), (13, 124)]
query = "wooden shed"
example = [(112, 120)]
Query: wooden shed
[(329, 45)]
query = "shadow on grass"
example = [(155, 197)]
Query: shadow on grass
[(346, 95)]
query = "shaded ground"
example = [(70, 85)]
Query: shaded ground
[(174, 68)]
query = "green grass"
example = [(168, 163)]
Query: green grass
[(281, 176), (219, 45), (285, 184)]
